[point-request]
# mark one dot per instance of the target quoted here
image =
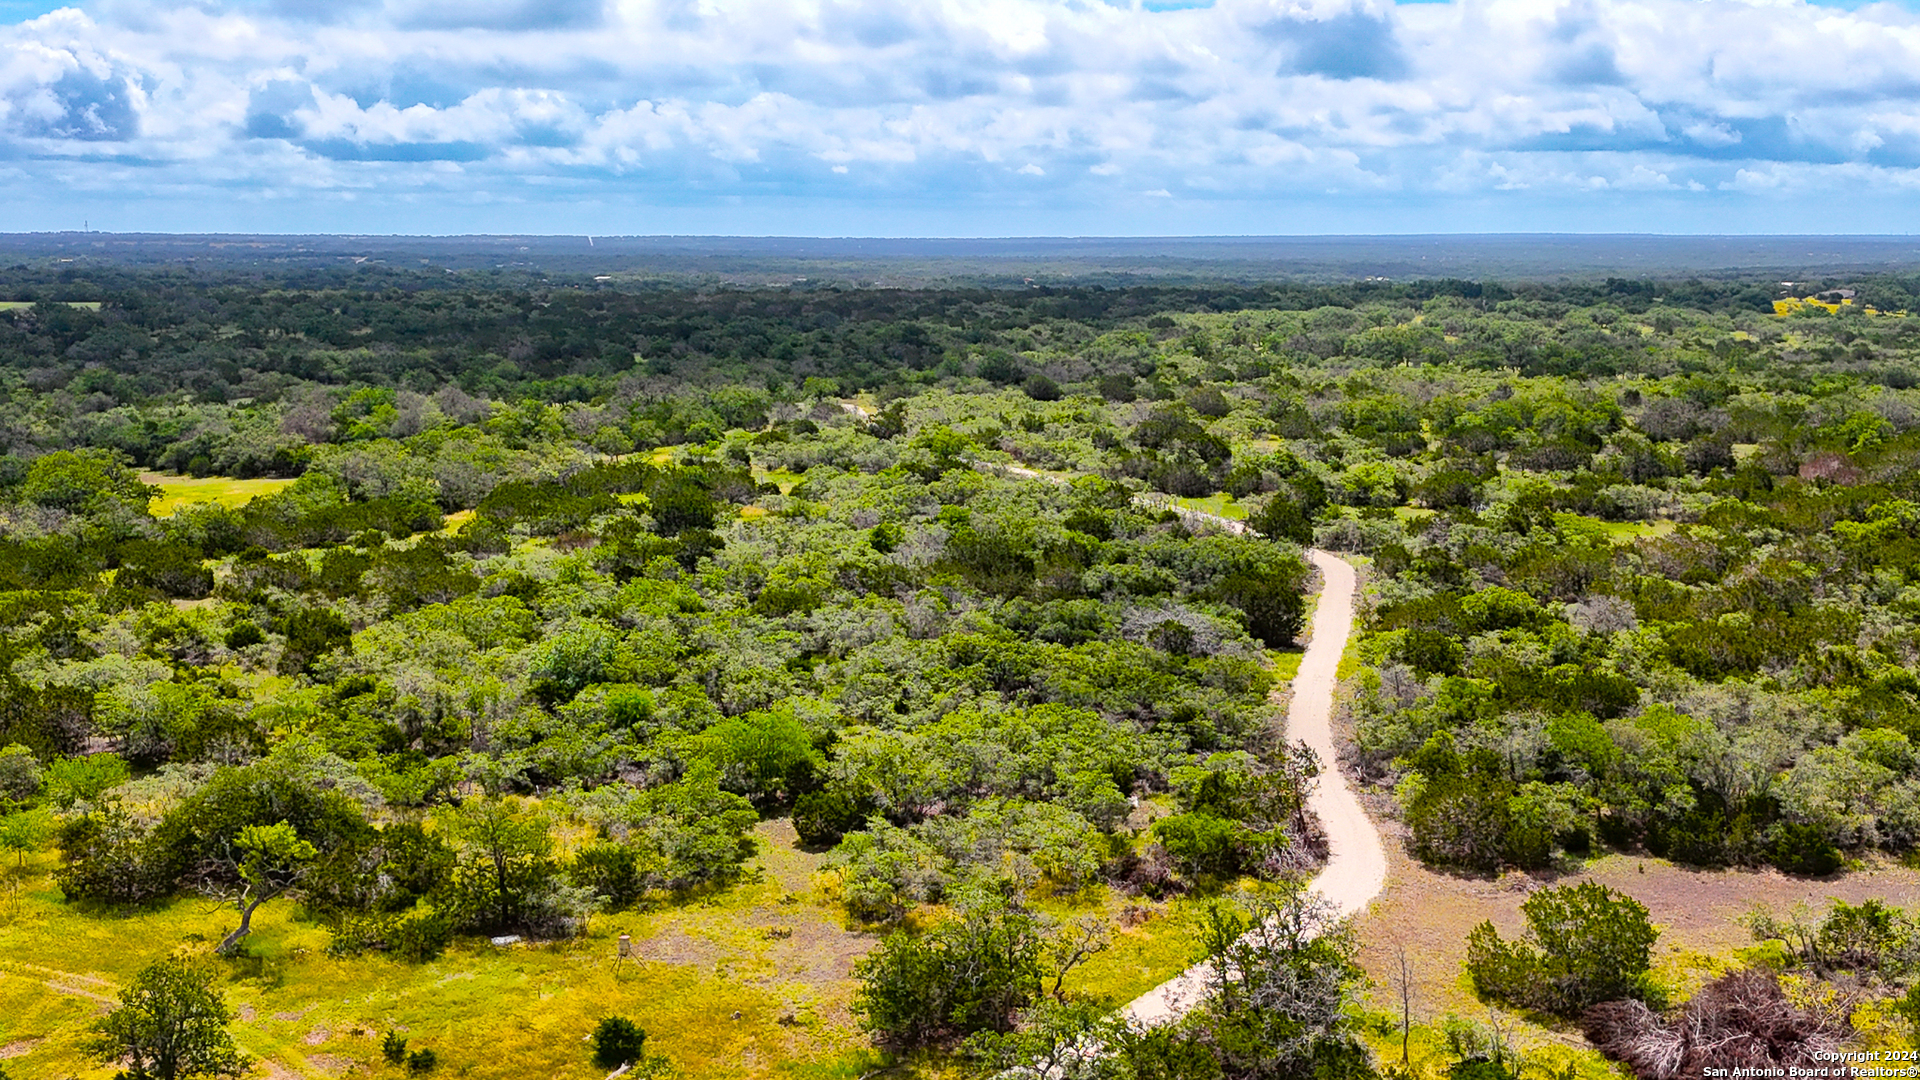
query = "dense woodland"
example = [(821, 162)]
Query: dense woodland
[(573, 584)]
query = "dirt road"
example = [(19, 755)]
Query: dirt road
[(1356, 868)]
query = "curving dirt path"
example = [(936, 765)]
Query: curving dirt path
[(1356, 869)]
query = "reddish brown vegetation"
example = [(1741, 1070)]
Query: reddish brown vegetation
[(1743, 1020)]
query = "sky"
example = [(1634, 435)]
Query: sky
[(959, 117)]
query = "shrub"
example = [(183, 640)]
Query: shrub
[(962, 976), (420, 938), (1804, 849), (1040, 388), (21, 776), (618, 1041), (823, 817), (1199, 843), (394, 1047), (1589, 944), (243, 634), (1740, 1021), (422, 1061), (171, 1023)]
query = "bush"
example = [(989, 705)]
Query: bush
[(962, 976), (394, 1047), (823, 817), (172, 1022), (417, 938), (1040, 388), (21, 776), (618, 1041), (1200, 844), (764, 755), (1804, 849), (243, 633), (1589, 944), (1742, 1021), (421, 1062)]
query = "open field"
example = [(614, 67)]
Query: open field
[(1619, 532), (754, 982), (21, 305), (1220, 505), (178, 491)]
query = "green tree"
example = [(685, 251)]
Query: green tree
[(83, 779), (1061, 1040), (1585, 944), (273, 860), (763, 755), (171, 1025), (967, 974), (1278, 1002), (692, 831), (24, 833), (82, 481), (1281, 976), (21, 776), (504, 869)]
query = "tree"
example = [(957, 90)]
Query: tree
[(171, 1025), (20, 774), (273, 860), (505, 869), (1279, 985), (1279, 980), (80, 481), (968, 974), (1588, 944), (763, 755), (1401, 978), (83, 779), (1060, 1040), (24, 832)]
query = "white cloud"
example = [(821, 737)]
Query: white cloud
[(945, 100)]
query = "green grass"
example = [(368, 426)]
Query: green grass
[(1221, 504), (781, 477), (755, 981), (179, 491), (18, 305), (1286, 662), (508, 1013), (1428, 1056), (1141, 957), (1618, 532)]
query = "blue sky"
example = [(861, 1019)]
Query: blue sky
[(960, 117)]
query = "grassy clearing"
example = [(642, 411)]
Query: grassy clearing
[(1286, 662), (21, 305), (783, 478), (1221, 504), (754, 982), (179, 491), (1618, 532), (1548, 1054), (1152, 943)]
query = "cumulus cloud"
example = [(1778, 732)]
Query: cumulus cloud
[(962, 102)]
